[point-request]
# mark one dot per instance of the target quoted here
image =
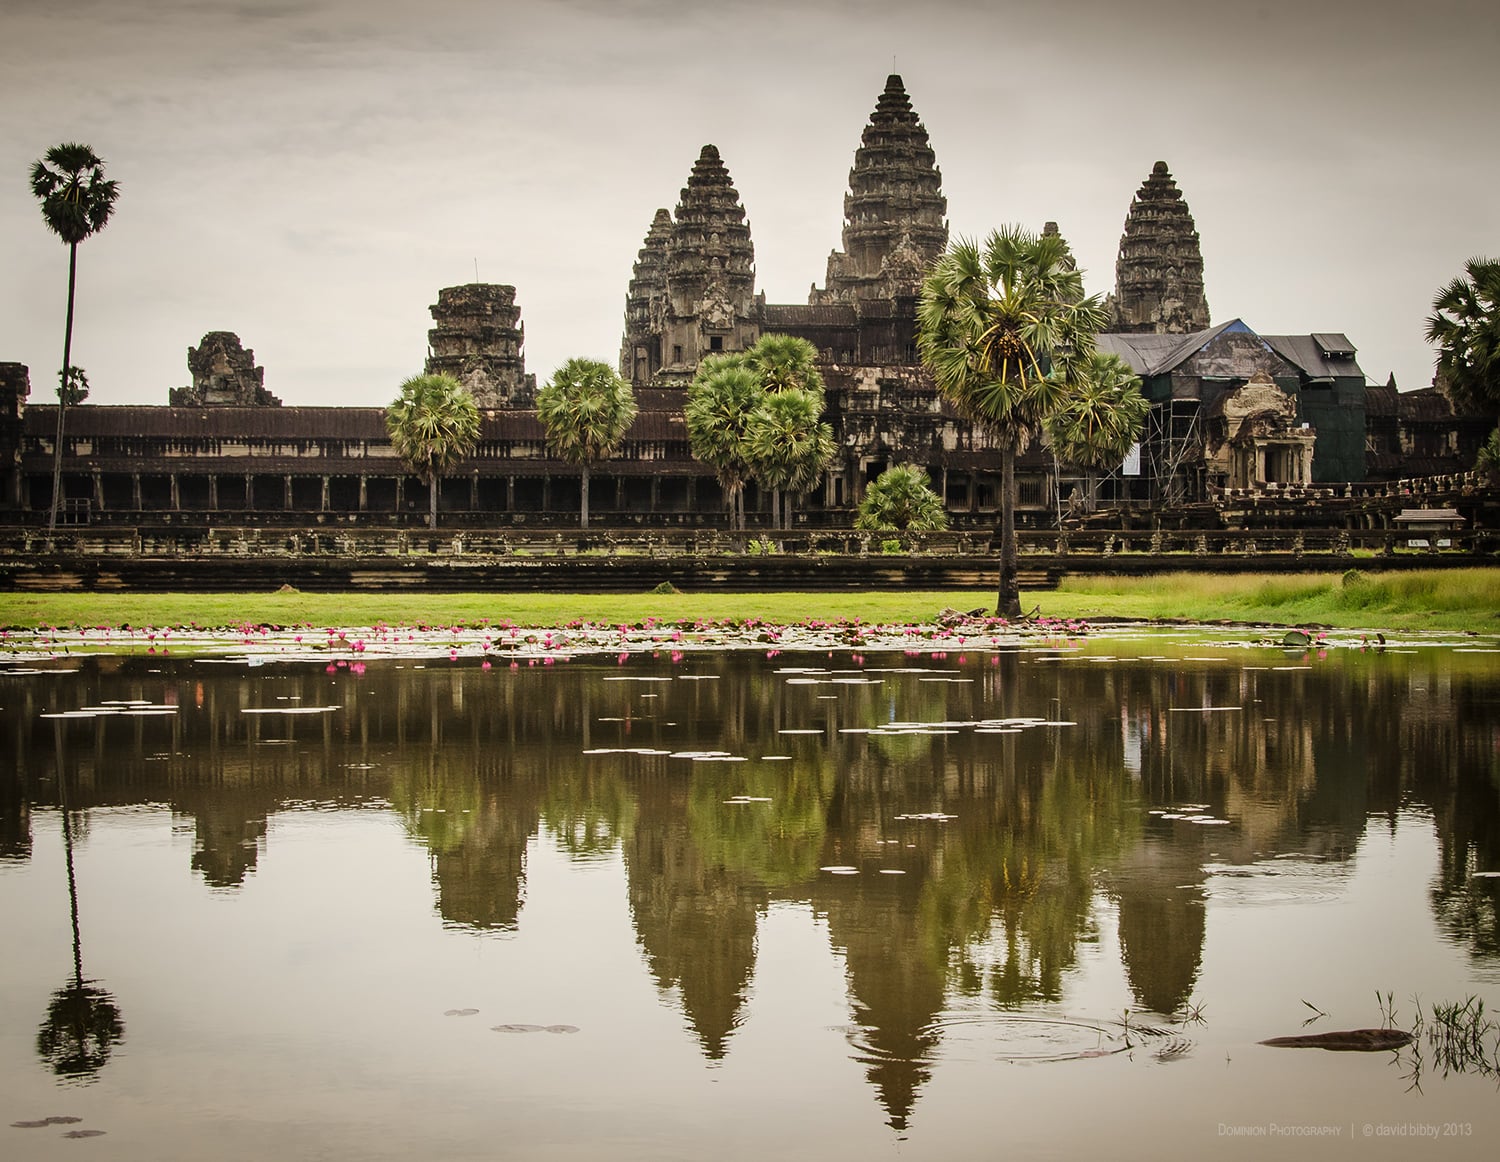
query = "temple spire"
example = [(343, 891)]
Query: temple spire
[(1159, 273), (693, 290), (894, 211)]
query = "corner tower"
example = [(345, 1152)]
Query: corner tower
[(894, 212), (1159, 273), (478, 338)]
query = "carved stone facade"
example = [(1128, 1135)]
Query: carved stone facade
[(479, 340), (692, 293), (224, 375), (1159, 273), (15, 386), (692, 290), (894, 224), (1228, 405), (1255, 438)]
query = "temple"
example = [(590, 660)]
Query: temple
[(1231, 409)]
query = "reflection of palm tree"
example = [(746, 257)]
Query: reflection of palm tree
[(83, 1022)]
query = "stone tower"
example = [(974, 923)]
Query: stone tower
[(478, 340), (224, 375), (894, 224), (646, 305), (693, 288), (1159, 274)]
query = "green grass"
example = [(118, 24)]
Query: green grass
[(1436, 599), (1425, 599)]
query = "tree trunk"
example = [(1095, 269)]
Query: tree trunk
[(778, 508), (62, 391), (432, 493), (584, 490), (1008, 603)]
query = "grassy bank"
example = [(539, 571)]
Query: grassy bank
[(1467, 599)]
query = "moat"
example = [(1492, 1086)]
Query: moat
[(1041, 898)]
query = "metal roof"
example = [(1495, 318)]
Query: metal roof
[(1319, 356)]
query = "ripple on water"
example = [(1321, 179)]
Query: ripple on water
[(1038, 1038)]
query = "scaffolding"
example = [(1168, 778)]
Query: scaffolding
[(1174, 438)]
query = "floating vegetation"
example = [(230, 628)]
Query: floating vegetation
[(84, 1134), (1345, 1040), (460, 1012), (56, 1120), (289, 709), (534, 1028)]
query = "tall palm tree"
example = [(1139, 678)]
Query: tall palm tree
[(1100, 419), (788, 446), (587, 409), (720, 400), (902, 499), (990, 322), (1465, 324), (77, 202), (433, 424)]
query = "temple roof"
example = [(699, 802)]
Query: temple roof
[(1150, 354)]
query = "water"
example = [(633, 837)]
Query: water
[(1042, 901)]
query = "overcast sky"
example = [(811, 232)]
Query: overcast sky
[(308, 173)]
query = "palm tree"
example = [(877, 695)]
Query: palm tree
[(76, 204), (1487, 461), (902, 499), (785, 362), (433, 423), (989, 324), (720, 400), (586, 409), (788, 446), (1465, 324), (1100, 419)]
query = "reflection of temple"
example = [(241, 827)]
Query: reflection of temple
[(230, 829), (994, 903), (695, 919), (897, 984), (1163, 919)]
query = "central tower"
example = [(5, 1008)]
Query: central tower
[(894, 212)]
